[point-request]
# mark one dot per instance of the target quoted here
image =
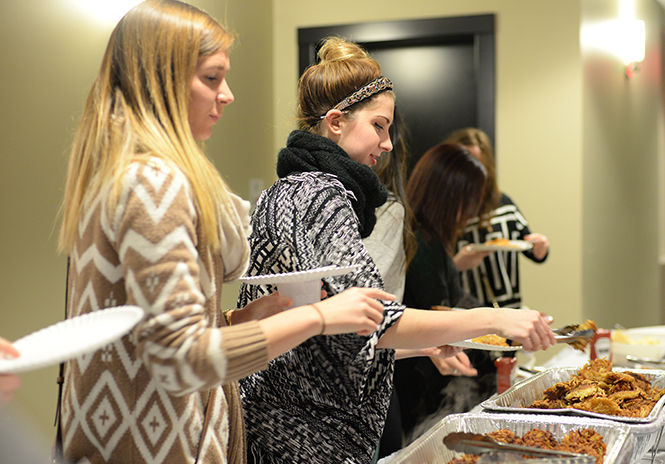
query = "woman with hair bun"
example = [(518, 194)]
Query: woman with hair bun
[(326, 400)]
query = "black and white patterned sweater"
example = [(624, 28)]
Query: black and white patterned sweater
[(326, 400)]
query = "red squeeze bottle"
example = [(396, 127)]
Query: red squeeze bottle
[(601, 345), (504, 373)]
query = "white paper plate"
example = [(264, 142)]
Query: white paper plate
[(483, 346), (299, 276), (70, 338), (513, 245)]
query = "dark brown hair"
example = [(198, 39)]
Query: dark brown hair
[(391, 169), (444, 192), (471, 136)]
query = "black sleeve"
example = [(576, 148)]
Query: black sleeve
[(430, 280)]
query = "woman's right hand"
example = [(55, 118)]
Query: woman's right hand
[(525, 326), (455, 365), (466, 259), (8, 382), (354, 310)]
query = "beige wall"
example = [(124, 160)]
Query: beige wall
[(622, 147), (49, 57)]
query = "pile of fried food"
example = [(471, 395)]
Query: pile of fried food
[(585, 441), (597, 388)]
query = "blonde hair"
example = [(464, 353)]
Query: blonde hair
[(343, 68), (471, 136), (138, 107)]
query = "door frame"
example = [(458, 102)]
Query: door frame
[(430, 31)]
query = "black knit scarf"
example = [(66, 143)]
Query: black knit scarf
[(307, 152)]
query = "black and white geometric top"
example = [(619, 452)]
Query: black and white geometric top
[(326, 400), (502, 267)]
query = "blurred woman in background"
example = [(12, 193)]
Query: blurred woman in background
[(493, 279), (444, 191)]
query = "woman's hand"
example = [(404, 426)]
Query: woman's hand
[(259, 309), (264, 307), (354, 310), (466, 259), (8, 382), (540, 244), (443, 351), (526, 326), (455, 365)]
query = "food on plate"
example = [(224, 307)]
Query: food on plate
[(585, 441), (440, 308), (597, 388), (491, 339), (498, 242)]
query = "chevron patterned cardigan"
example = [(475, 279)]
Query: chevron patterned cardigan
[(154, 396), (326, 400)]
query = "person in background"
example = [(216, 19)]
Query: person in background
[(8, 382), (392, 243), (19, 442), (447, 174), (148, 221), (493, 279), (326, 400), (392, 252)]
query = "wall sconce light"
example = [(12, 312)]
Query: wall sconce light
[(622, 38)]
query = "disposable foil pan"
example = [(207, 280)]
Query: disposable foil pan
[(429, 447), (518, 397)]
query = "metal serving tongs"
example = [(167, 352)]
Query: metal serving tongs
[(638, 360), (576, 335), (475, 443)]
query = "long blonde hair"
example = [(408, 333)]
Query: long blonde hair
[(138, 107)]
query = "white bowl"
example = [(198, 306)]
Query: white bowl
[(641, 342)]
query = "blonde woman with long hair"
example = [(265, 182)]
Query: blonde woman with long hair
[(148, 221)]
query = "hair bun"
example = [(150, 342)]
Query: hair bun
[(340, 49)]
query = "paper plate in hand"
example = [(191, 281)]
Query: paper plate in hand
[(303, 287), (510, 245), (70, 338), (299, 276), (484, 346)]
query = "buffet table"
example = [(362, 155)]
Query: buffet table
[(629, 440)]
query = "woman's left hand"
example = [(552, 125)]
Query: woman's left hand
[(540, 244), (455, 365), (443, 351), (259, 309), (466, 259)]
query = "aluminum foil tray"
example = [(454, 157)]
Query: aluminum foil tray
[(518, 397), (429, 447)]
